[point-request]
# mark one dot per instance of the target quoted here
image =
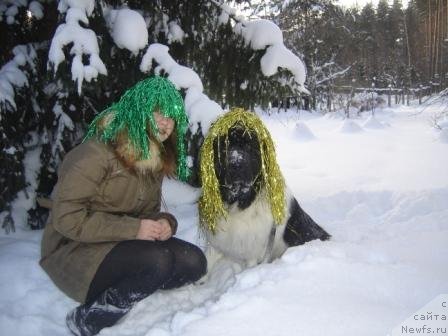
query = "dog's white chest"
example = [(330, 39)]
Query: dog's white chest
[(244, 235)]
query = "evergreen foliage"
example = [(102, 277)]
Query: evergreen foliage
[(49, 115)]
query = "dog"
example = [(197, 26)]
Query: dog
[(247, 233)]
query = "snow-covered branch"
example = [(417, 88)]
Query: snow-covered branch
[(10, 9), (84, 42), (264, 34), (333, 75), (200, 108), (12, 76), (127, 28)]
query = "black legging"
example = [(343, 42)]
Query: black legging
[(134, 269)]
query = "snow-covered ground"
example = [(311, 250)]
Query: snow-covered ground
[(380, 189)]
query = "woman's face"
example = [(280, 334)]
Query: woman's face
[(165, 125)]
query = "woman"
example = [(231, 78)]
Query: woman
[(106, 243)]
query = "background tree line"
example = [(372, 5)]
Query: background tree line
[(383, 46)]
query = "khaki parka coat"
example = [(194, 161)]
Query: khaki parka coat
[(97, 203)]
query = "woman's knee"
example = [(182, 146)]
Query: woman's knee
[(196, 262), (149, 256), (160, 260)]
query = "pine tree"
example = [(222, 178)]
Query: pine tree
[(369, 66), (415, 36), (383, 33), (316, 29), (48, 113)]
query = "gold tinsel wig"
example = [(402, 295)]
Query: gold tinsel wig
[(211, 207)]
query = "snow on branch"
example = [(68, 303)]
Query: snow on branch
[(10, 9), (86, 5), (84, 42), (128, 28), (11, 76), (200, 108), (264, 34), (64, 122), (333, 75)]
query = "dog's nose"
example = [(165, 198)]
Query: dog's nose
[(238, 188)]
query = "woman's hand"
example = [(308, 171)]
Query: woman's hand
[(154, 229), (165, 232)]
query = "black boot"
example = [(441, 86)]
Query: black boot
[(89, 319)]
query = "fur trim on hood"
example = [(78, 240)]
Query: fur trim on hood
[(128, 154)]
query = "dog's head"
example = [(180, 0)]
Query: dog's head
[(237, 164)]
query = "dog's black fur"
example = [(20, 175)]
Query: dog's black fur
[(238, 167)]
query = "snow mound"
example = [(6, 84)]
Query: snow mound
[(443, 123), (349, 126), (176, 192), (337, 115), (443, 137), (302, 132), (373, 123)]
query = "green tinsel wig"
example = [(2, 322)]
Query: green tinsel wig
[(211, 207), (134, 111)]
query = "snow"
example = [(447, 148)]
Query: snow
[(64, 121), (26, 199), (444, 135), (12, 76), (350, 126), (261, 33), (84, 42), (203, 111), (76, 14), (181, 76), (175, 34), (87, 6), (223, 18), (302, 132), (278, 56), (36, 9), (381, 193), (200, 108), (264, 34), (373, 123), (12, 11), (10, 150), (128, 29)]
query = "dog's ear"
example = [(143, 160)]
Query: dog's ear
[(301, 228)]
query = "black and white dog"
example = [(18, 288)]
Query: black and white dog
[(248, 235)]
